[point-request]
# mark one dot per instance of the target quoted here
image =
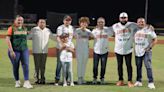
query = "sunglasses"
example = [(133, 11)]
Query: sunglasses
[(123, 17)]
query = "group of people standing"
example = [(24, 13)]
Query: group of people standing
[(126, 34)]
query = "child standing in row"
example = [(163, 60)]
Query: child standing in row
[(82, 35), (66, 55)]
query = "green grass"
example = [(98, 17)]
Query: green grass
[(7, 82), (160, 37), (3, 32)]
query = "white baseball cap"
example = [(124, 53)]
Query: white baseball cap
[(123, 14)]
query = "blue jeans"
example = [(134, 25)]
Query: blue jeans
[(103, 58), (58, 66), (67, 71), (23, 57), (147, 57)]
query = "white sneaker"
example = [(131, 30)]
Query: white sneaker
[(94, 81), (17, 84), (27, 85), (138, 84), (56, 84), (151, 86), (65, 84), (72, 84)]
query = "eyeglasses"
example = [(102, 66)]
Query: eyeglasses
[(123, 17)]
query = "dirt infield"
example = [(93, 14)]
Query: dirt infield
[(2, 36), (160, 42), (52, 53)]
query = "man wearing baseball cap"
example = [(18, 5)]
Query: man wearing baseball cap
[(123, 14), (123, 17), (124, 32)]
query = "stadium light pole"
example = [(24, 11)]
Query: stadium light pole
[(146, 10)]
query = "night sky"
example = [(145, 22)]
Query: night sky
[(109, 9)]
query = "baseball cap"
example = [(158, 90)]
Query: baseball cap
[(67, 18), (123, 14)]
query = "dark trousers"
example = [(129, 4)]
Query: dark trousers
[(128, 59), (23, 57), (96, 58), (40, 65), (147, 58)]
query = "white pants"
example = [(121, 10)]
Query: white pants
[(82, 59)]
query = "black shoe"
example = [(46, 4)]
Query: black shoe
[(37, 82), (42, 82), (56, 82)]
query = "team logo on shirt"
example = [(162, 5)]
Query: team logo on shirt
[(141, 35), (124, 31)]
